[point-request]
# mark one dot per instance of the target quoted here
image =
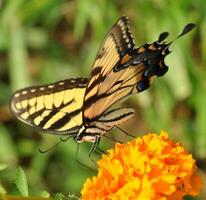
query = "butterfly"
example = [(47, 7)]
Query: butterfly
[(81, 107)]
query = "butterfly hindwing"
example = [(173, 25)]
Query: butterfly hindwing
[(55, 107), (110, 119)]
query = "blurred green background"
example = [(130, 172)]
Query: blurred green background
[(42, 41)]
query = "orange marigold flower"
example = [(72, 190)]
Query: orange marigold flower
[(149, 168)]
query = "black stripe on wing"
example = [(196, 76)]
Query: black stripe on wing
[(55, 107), (47, 89), (64, 120), (122, 36)]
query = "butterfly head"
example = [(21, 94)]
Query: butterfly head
[(84, 136)]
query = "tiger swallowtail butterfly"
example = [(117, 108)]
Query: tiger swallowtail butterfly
[(80, 107)]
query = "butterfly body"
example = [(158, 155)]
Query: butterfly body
[(81, 107)]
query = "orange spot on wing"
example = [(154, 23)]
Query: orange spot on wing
[(140, 50), (125, 58), (152, 47)]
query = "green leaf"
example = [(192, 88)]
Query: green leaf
[(2, 190), (59, 196), (3, 166), (45, 194), (17, 55), (72, 196), (21, 182)]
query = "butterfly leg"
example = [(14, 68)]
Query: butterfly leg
[(113, 139), (125, 132), (94, 145), (94, 148), (102, 151), (98, 153), (84, 165)]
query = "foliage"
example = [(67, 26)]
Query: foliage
[(21, 182)]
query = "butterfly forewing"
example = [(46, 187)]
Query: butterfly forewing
[(105, 86), (118, 42), (55, 107)]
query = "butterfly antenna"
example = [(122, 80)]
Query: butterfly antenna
[(125, 132), (77, 160), (61, 140), (49, 149), (64, 140)]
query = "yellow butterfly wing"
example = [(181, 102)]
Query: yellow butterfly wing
[(105, 86), (55, 107)]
